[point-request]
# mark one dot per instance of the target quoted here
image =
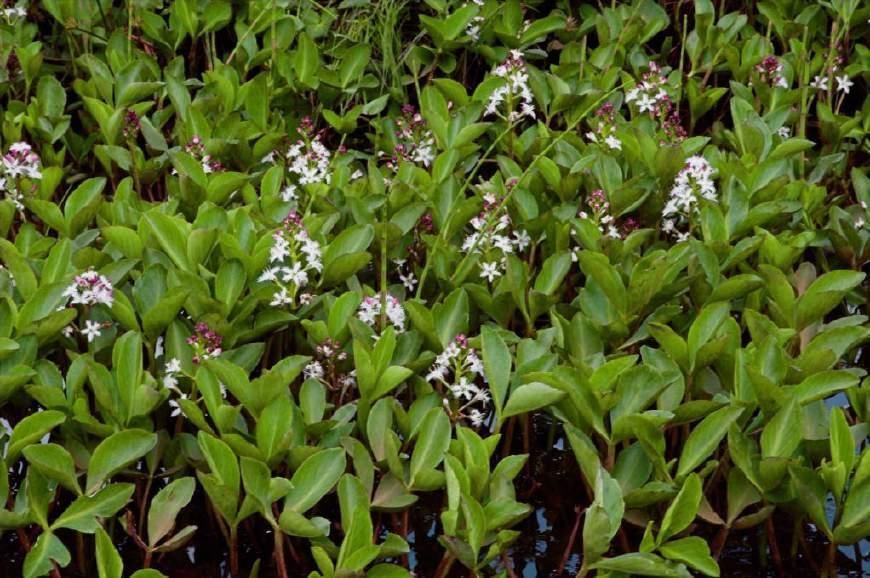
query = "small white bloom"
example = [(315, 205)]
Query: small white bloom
[(521, 240), (281, 298), (490, 271), (613, 142), (844, 84), (91, 330), (820, 83), (173, 365), (784, 132)]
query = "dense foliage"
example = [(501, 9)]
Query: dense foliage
[(292, 272)]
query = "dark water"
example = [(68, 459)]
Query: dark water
[(551, 484)]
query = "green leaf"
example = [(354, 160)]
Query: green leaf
[(682, 510), (553, 273), (30, 429), (432, 442), (782, 434), (55, 463), (813, 495), (82, 204), (171, 237), (306, 61), (116, 452), (824, 294), (353, 64), (643, 564), (496, 365), (84, 514), (165, 507), (127, 361), (530, 397), (597, 267), (692, 551), (275, 428), (451, 316), (704, 439), (704, 327), (317, 475), (230, 282), (47, 550), (109, 564)]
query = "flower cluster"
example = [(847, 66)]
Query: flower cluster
[(515, 91), (20, 162), (693, 183), (293, 255), (205, 343), (604, 127), (90, 288), (599, 214), (457, 369), (494, 242), (308, 158), (325, 367), (770, 71), (415, 143), (649, 94), (370, 310), (196, 149)]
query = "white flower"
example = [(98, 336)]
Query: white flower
[(370, 309), (280, 248), (784, 132), (521, 240), (490, 271), (173, 365), (90, 288), (820, 83), (281, 298), (91, 330), (269, 274), (314, 370), (613, 142), (295, 274), (409, 280), (158, 347), (310, 163), (844, 83), (516, 88), (288, 193), (68, 331), (170, 381), (473, 28)]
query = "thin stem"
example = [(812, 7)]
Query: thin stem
[(571, 539), (245, 35), (279, 552)]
